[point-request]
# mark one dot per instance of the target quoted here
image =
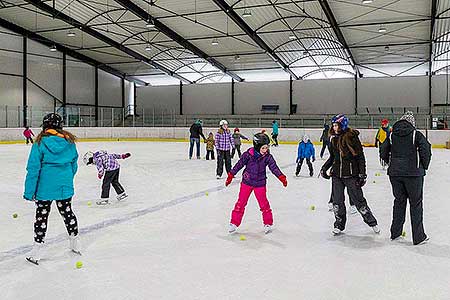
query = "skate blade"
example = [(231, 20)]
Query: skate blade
[(102, 203), (122, 198), (76, 252), (268, 231), (35, 262)]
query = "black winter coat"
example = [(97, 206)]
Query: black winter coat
[(346, 163), (196, 131), (324, 137), (407, 152)]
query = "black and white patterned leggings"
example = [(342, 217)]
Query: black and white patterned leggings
[(42, 213)]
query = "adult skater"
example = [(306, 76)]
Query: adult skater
[(224, 144), (275, 131), (348, 170), (408, 154), (52, 165), (195, 133), (324, 138), (255, 160)]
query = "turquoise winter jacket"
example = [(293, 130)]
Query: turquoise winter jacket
[(51, 167)]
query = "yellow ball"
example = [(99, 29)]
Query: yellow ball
[(78, 264), (242, 238), (207, 194), (312, 207), (89, 203), (15, 216), (403, 233)]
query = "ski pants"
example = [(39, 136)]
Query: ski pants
[(405, 188), (111, 178), (43, 211), (300, 163), (210, 153), (239, 208), (325, 145), (238, 149), (356, 196), (223, 156)]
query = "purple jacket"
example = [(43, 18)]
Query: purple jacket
[(106, 162), (255, 168), (224, 140)]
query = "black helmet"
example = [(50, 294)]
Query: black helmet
[(259, 140), (52, 121)]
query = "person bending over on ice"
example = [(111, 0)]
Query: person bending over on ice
[(52, 165), (348, 170), (28, 134), (107, 166), (305, 151), (383, 133), (255, 160)]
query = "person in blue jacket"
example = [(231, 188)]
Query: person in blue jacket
[(275, 132), (52, 165), (305, 151)]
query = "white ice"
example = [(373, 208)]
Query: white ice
[(169, 239)]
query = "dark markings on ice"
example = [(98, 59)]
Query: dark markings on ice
[(10, 254)]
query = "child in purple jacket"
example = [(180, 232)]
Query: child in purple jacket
[(107, 166), (254, 179)]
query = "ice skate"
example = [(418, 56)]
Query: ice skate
[(376, 229), (353, 209), (267, 229), (311, 173), (122, 196), (232, 228), (103, 201), (336, 231), (330, 206), (398, 239), (35, 255), (74, 244), (425, 241), (218, 176)]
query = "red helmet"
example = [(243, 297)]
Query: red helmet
[(384, 122), (236, 129)]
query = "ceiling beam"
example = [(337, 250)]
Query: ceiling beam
[(433, 22), (332, 20), (43, 40), (254, 36), (139, 12), (69, 20)]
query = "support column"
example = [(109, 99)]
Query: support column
[(96, 96), (24, 82), (181, 98), (64, 83), (134, 100), (232, 96), (291, 100), (122, 86), (356, 94)]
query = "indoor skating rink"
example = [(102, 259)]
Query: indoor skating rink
[(169, 239)]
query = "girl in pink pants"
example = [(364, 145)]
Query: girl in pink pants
[(254, 179)]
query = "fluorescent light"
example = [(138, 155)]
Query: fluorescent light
[(292, 37), (247, 13), (367, 1), (53, 48), (150, 23), (71, 34), (215, 42), (382, 29), (148, 48)]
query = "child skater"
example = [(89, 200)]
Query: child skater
[(28, 133), (305, 151), (107, 166), (237, 136), (52, 165), (210, 146), (255, 160), (383, 134)]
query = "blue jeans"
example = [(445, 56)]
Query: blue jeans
[(191, 146)]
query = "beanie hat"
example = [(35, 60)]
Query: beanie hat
[(409, 116)]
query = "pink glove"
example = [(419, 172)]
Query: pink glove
[(126, 155)]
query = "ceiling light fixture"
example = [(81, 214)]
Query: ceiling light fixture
[(53, 48), (71, 34), (215, 42), (247, 13), (382, 29), (237, 57), (367, 1), (150, 23), (148, 48), (386, 48), (292, 37)]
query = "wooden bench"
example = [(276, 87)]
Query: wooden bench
[(269, 108)]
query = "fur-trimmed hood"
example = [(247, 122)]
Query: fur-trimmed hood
[(347, 141)]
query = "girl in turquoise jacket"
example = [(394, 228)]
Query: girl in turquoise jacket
[(52, 165)]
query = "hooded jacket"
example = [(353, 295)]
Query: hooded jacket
[(407, 151), (305, 150), (52, 165), (196, 131), (255, 167), (346, 155)]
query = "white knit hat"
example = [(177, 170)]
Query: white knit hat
[(409, 116)]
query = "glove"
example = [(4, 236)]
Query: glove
[(126, 155), (229, 179), (362, 179), (99, 175), (283, 179), (324, 174)]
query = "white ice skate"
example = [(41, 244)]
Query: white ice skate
[(376, 229), (330, 206), (267, 229), (336, 231), (425, 241), (103, 201), (232, 228), (218, 176), (74, 244), (122, 196), (353, 209), (398, 239), (35, 255)]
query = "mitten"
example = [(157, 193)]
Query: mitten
[(229, 179), (283, 179)]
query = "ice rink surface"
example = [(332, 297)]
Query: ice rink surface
[(169, 239)]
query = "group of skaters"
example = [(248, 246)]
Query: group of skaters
[(53, 163)]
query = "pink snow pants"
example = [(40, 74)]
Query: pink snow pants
[(239, 208)]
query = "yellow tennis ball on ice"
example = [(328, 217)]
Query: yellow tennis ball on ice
[(207, 194), (403, 233), (242, 238), (89, 203), (78, 264), (15, 215), (312, 207)]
